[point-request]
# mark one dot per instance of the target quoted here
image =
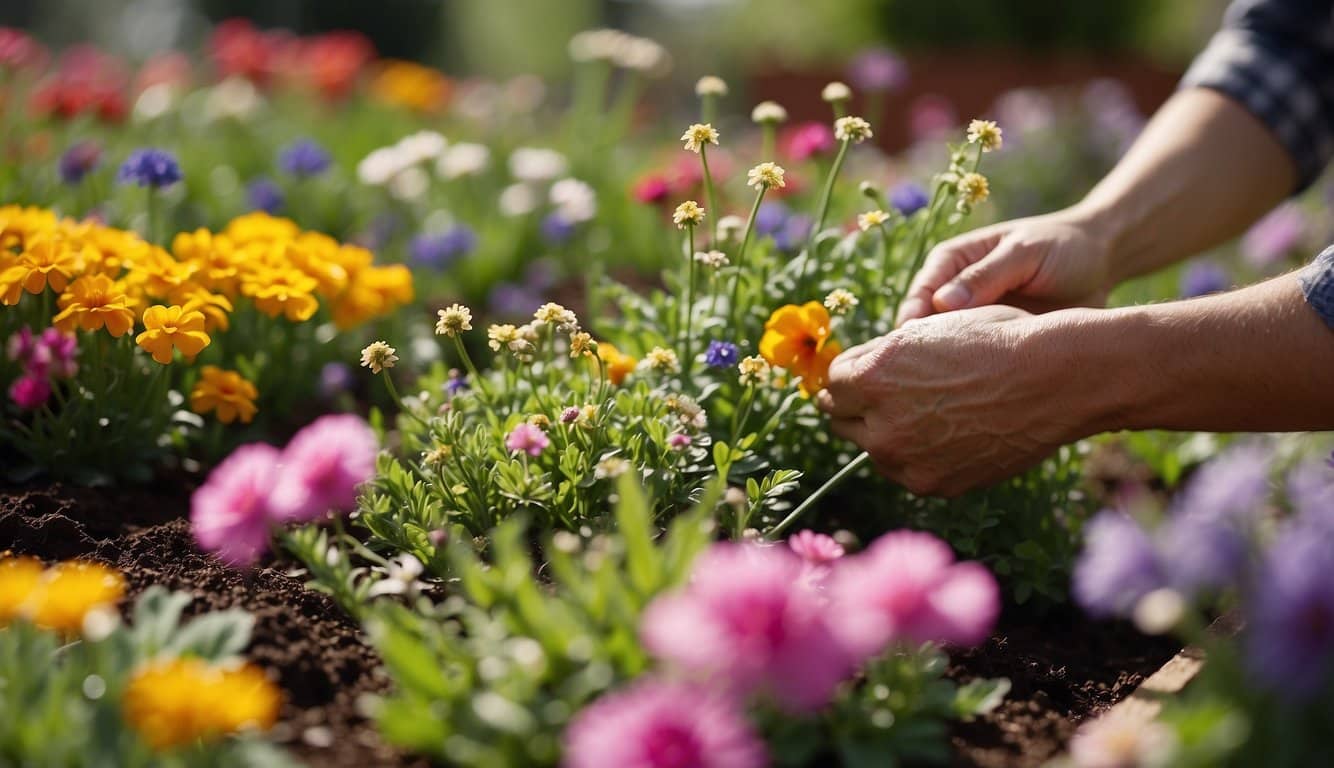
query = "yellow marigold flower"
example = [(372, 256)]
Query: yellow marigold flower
[(18, 224), (768, 112), (163, 275), (754, 370), (454, 320), (178, 702), (766, 175), (410, 85), (841, 301), (260, 227), (973, 189), (93, 302), (286, 292), (699, 134), (853, 129), (986, 133), (19, 577), (214, 256), (617, 365), (225, 393), (796, 338), (214, 306), (392, 283), (46, 260), (871, 219), (69, 591), (662, 360), (171, 328), (378, 356), (687, 214)]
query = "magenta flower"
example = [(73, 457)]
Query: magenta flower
[(322, 467), (61, 349), (662, 724), (527, 438), (907, 586), (569, 415), (229, 513), (21, 345), (678, 441), (30, 391), (751, 622), (808, 140), (815, 548)]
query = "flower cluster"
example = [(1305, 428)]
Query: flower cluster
[(178, 702), (62, 597), (42, 358)]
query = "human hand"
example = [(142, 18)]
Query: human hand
[(1040, 264), (954, 401)]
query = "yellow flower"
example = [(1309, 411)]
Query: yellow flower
[(162, 275), (169, 328), (662, 360), (853, 129), (973, 189), (215, 256), (766, 175), (19, 577), (454, 320), (405, 84), (378, 356), (260, 227), (986, 133), (47, 260), (286, 292), (688, 214), (581, 344), (177, 702), (69, 591), (699, 134), (754, 370), (214, 306), (841, 301), (618, 365), (224, 392), (502, 335), (95, 301), (797, 338)]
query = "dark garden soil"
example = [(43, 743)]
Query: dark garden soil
[(1062, 670)]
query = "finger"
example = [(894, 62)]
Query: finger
[(943, 263), (1007, 267), (847, 406), (853, 430)]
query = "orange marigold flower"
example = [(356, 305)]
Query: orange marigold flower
[(67, 592), (618, 365), (224, 392), (282, 292), (19, 577), (175, 702), (171, 328), (46, 260), (411, 85), (797, 338), (260, 227), (95, 301), (214, 306)]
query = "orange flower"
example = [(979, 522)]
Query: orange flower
[(69, 591), (171, 328), (45, 261), (94, 301), (176, 702), (282, 292), (225, 392), (405, 84), (797, 339), (19, 577), (618, 365)]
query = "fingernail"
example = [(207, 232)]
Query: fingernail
[(953, 296)]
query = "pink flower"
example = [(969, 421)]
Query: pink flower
[(678, 441), (749, 620), (930, 116), (807, 140), (229, 513), (60, 349), (662, 724), (322, 467), (21, 345), (30, 391), (907, 586), (815, 548), (569, 415), (651, 189), (526, 438)]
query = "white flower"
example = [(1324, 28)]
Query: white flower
[(836, 92), (234, 97), (643, 55), (517, 200), (378, 356), (754, 370), (575, 201), (986, 133), (454, 320), (611, 466), (381, 165), (537, 164), (556, 315), (730, 226), (840, 301), (712, 259), (662, 360), (400, 577), (699, 134), (409, 184), (766, 175), (871, 219), (596, 44), (973, 189), (852, 129), (463, 159), (688, 213), (711, 85), (768, 112), (1121, 741), (153, 102), (421, 146)]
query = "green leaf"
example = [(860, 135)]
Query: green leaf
[(157, 614), (214, 636), (980, 697), (633, 518)]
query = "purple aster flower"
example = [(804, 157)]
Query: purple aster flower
[(908, 198), (1290, 639), (1311, 491), (770, 218), (1275, 236), (794, 233), (78, 161), (1232, 487), (721, 354), (150, 168), (439, 250), (877, 69), (1201, 553), (511, 300), (556, 229), (264, 195), (304, 159), (1202, 278), (335, 379), (1117, 567)]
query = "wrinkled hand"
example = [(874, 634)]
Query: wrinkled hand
[(1040, 264), (951, 402)]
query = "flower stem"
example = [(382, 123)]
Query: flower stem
[(690, 300), (768, 140), (472, 369), (741, 257), (151, 234), (829, 485), (825, 197), (710, 200), (398, 400)]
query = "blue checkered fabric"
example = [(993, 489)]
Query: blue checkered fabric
[(1318, 284)]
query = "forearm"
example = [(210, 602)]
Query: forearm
[(1201, 172), (1257, 359)]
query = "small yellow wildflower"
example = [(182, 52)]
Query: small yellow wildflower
[(699, 134), (176, 702), (754, 370), (853, 129), (973, 189), (618, 365), (871, 219), (662, 360), (688, 214), (225, 392), (67, 592), (841, 301), (582, 344), (378, 356), (171, 328), (503, 335), (985, 133), (766, 175), (454, 320)]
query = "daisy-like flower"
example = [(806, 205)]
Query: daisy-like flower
[(687, 214), (730, 226), (454, 320), (172, 328), (973, 189), (754, 370), (985, 133), (768, 112), (226, 393), (610, 467), (852, 128), (871, 219), (93, 302), (797, 338), (766, 175), (711, 259), (378, 356), (400, 577), (836, 92), (710, 85), (555, 315), (582, 344), (662, 360), (503, 335), (840, 301), (699, 134)]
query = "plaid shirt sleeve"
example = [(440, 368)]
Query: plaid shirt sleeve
[(1317, 281), (1276, 59)]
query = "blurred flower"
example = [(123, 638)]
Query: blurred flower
[(651, 189), (81, 159), (304, 159), (517, 200), (679, 441), (721, 354), (710, 85), (322, 468), (836, 92), (229, 513), (232, 98), (463, 159), (1274, 237), (770, 218), (409, 185), (711, 259), (930, 117), (1290, 627), (840, 301), (865, 221), (333, 61), (456, 383), (815, 548), (662, 360), (412, 86), (986, 134), (754, 370), (1203, 277), (794, 232), (749, 621), (575, 201), (533, 164), (400, 577), (768, 112), (511, 300), (225, 393), (378, 356), (264, 195), (796, 338), (19, 576), (688, 214), (973, 189), (1311, 490), (1025, 111), (698, 135), (238, 49), (617, 364), (69, 591), (440, 250), (610, 467), (335, 379), (766, 175), (167, 329), (907, 587), (184, 701), (656, 724), (808, 140), (1122, 741), (853, 129), (1231, 487), (420, 147), (908, 198), (18, 50), (1117, 567), (526, 438), (150, 168), (556, 229), (30, 391), (877, 69), (58, 351)]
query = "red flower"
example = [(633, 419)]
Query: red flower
[(237, 48), (19, 51)]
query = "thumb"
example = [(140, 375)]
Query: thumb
[(1007, 268)]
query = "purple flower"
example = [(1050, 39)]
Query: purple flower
[(877, 69), (794, 233), (1202, 278), (150, 168), (456, 383), (662, 724), (30, 391), (1023, 112), (335, 379), (1311, 491), (527, 438), (1290, 638), (770, 218), (322, 467), (679, 441), (59, 350), (556, 229), (1117, 567), (264, 195), (511, 300), (570, 415), (78, 161), (1273, 238), (1232, 487), (721, 354), (21, 346), (304, 159), (908, 198), (1199, 552), (439, 250)]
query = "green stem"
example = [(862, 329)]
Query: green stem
[(472, 369), (810, 501), (151, 235), (690, 300), (713, 213), (825, 197), (768, 140), (398, 400), (741, 257)]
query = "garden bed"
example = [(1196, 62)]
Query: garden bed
[(1063, 669)]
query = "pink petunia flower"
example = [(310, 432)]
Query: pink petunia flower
[(60, 349), (322, 467), (815, 548), (229, 513), (527, 438), (907, 586), (808, 140), (30, 391), (662, 724), (749, 620)]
